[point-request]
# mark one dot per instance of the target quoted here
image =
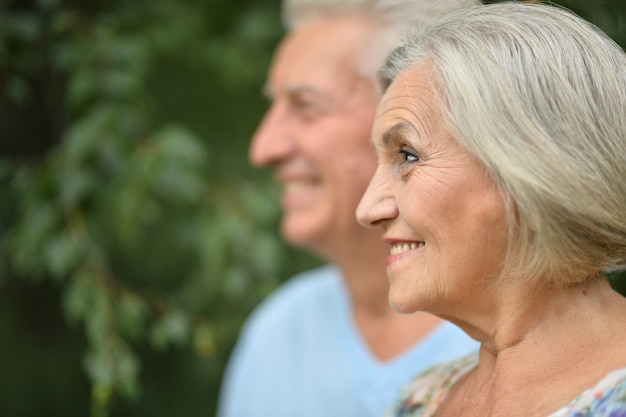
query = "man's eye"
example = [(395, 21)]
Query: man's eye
[(306, 109), (408, 156), (301, 104)]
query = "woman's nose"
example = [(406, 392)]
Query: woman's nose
[(378, 205)]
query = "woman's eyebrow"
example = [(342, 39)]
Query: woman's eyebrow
[(399, 130)]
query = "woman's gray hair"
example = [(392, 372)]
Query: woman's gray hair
[(393, 20), (538, 95)]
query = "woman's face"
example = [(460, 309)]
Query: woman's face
[(442, 215)]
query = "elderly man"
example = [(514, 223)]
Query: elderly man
[(327, 342)]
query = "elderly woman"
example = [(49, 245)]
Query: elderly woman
[(501, 192)]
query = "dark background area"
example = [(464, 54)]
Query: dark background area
[(134, 235)]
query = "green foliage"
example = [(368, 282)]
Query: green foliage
[(134, 236), (131, 207), (103, 200)]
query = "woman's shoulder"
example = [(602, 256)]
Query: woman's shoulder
[(606, 399), (422, 396)]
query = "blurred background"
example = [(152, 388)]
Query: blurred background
[(134, 235)]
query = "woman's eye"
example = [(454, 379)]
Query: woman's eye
[(408, 156)]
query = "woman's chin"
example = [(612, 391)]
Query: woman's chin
[(402, 305)]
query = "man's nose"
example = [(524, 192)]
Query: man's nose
[(273, 140)]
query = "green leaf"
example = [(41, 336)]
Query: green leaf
[(28, 239), (75, 184), (78, 297), (132, 315), (204, 340), (63, 253), (113, 364), (171, 328)]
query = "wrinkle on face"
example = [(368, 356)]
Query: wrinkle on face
[(444, 198)]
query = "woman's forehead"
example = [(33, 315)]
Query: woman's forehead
[(409, 101)]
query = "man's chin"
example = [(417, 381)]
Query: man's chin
[(299, 233)]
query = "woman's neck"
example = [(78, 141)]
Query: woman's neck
[(565, 339)]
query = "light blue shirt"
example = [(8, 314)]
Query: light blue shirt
[(300, 355)]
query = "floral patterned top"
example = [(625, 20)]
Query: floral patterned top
[(422, 397)]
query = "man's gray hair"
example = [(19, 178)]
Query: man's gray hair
[(393, 21)]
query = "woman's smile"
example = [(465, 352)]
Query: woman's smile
[(399, 250)]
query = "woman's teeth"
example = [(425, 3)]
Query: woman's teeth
[(399, 248)]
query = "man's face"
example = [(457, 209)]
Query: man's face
[(317, 130)]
